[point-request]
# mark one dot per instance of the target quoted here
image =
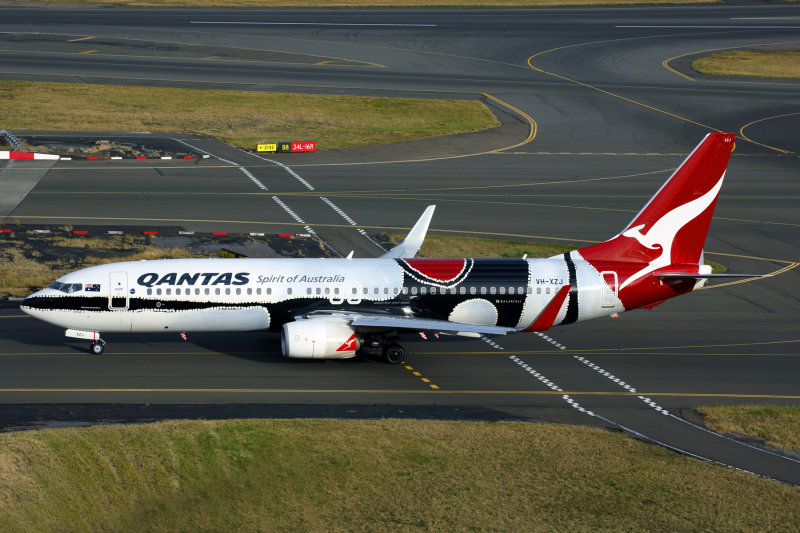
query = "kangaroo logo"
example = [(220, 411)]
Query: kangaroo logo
[(662, 233)]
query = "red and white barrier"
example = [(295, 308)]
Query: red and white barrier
[(25, 155)]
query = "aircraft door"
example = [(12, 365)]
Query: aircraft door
[(118, 297), (337, 295), (610, 288)]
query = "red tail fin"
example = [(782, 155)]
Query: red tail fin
[(672, 227)]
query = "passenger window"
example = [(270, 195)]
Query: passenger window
[(354, 290), (149, 292), (529, 290), (216, 291), (386, 290), (308, 290), (178, 292), (511, 290), (423, 290), (538, 290), (158, 292), (327, 290), (269, 290), (473, 290), (413, 290), (168, 291), (405, 290), (493, 290), (483, 290), (366, 291), (462, 290), (249, 290), (207, 291), (377, 291), (502, 290), (319, 291), (289, 290), (520, 290), (396, 291), (548, 290), (227, 291), (258, 291), (238, 291), (335, 290)]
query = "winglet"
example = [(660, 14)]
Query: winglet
[(413, 241)]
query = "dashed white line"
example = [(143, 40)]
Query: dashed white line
[(287, 168), (350, 221), (254, 179)]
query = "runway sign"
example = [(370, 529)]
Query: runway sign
[(304, 146), (268, 147), (297, 146)]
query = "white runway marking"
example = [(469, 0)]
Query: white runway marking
[(254, 179)]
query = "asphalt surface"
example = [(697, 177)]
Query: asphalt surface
[(597, 105)]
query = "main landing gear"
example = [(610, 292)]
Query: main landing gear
[(393, 353), (97, 346), (384, 345)]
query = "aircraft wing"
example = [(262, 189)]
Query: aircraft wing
[(359, 320), (411, 244), (418, 324)]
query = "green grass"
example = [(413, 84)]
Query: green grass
[(384, 475), (27, 268), (447, 246), (778, 426), (333, 121), (751, 63)]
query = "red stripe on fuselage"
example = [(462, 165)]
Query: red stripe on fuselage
[(546, 318), (438, 269)]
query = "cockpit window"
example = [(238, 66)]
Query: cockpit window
[(66, 287)]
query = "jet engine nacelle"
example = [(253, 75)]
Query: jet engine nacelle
[(319, 339)]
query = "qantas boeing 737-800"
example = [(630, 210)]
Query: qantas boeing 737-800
[(334, 308)]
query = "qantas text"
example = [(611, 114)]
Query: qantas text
[(199, 278)]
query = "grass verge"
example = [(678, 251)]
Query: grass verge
[(447, 246), (242, 118), (372, 475), (753, 63), (31, 263), (778, 426)]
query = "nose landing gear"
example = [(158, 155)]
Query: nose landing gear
[(97, 346)]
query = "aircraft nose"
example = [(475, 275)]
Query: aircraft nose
[(33, 302)]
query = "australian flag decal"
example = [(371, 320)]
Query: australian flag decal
[(92, 287)]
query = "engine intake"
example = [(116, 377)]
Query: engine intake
[(319, 339)]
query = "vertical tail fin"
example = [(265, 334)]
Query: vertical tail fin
[(672, 227)]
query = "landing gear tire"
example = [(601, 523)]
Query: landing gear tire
[(97, 347), (393, 354)]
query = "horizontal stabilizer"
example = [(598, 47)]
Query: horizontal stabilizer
[(684, 275), (413, 241)]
